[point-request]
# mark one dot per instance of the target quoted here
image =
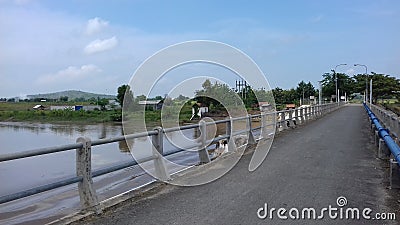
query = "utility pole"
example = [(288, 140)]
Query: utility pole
[(370, 92)]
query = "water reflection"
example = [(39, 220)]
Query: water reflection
[(125, 145)]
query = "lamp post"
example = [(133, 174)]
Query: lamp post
[(334, 72), (366, 81), (320, 93)]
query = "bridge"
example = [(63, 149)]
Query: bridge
[(330, 156)]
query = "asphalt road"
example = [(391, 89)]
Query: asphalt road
[(310, 166)]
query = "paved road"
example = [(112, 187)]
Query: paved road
[(310, 166)]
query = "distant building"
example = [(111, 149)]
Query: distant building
[(113, 104), (38, 107), (264, 106), (290, 106), (152, 104), (62, 107), (75, 108)]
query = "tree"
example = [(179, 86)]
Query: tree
[(278, 95), (182, 98), (384, 86), (305, 90), (216, 94), (64, 99), (345, 84), (102, 103), (124, 93), (141, 98)]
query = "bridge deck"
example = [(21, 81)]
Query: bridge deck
[(310, 166)]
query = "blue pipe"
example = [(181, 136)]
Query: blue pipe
[(384, 134)]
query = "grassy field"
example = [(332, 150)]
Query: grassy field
[(23, 112), (26, 106)]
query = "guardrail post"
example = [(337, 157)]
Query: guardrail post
[(231, 144), (203, 154), (296, 115), (312, 112), (158, 148), (306, 116), (291, 123), (87, 193), (383, 150), (301, 115), (264, 133), (315, 111), (376, 139), (251, 139), (373, 128), (320, 110), (283, 121)]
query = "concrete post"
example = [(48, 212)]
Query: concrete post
[(291, 123), (296, 114), (231, 144), (251, 139), (158, 148), (203, 154), (301, 116), (384, 151), (306, 111), (264, 131), (283, 121), (87, 193), (312, 112), (376, 138), (373, 129)]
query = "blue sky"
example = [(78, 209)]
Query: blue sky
[(96, 46)]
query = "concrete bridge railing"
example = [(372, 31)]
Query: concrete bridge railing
[(83, 147), (388, 119)]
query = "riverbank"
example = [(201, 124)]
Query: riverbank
[(60, 116)]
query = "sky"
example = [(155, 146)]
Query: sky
[(96, 46)]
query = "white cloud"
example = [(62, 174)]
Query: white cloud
[(68, 75), (101, 45), (95, 25)]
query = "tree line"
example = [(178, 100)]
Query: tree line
[(384, 87)]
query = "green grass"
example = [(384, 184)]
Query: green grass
[(22, 111), (60, 116)]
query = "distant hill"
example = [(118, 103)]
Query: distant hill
[(71, 94)]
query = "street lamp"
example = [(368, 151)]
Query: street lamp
[(366, 81), (334, 72)]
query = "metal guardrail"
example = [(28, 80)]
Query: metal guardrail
[(84, 175), (384, 133)]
